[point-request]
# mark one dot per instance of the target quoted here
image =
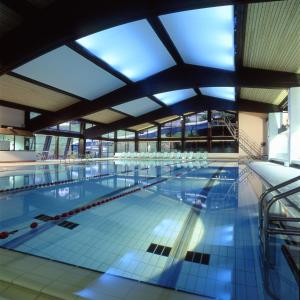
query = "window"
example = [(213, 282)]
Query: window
[(224, 147), (33, 115), (196, 125), (73, 126), (169, 146), (10, 142), (110, 135), (89, 125), (124, 134), (92, 147), (125, 147), (147, 146), (150, 133), (7, 142), (107, 148), (171, 129), (196, 146)]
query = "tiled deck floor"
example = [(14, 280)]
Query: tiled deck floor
[(25, 277)]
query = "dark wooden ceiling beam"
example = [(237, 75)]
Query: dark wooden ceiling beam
[(66, 21), (22, 7), (196, 103), (186, 76)]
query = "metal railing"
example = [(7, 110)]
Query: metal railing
[(266, 219), (250, 147)]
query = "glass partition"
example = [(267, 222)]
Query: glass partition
[(196, 125), (170, 146), (148, 146), (171, 129), (150, 133)]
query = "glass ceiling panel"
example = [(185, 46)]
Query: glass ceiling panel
[(66, 70), (137, 107), (133, 49), (227, 93), (173, 97), (204, 37)]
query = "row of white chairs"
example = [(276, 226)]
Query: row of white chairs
[(162, 155)]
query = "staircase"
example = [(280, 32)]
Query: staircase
[(251, 148)]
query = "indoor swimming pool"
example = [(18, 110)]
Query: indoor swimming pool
[(188, 226)]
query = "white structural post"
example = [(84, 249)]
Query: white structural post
[(294, 124)]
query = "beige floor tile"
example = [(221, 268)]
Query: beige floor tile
[(47, 297), (50, 270), (3, 286), (32, 281), (19, 293), (25, 263), (8, 274), (60, 290)]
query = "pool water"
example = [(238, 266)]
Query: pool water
[(191, 226)]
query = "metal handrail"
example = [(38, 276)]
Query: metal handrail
[(269, 190), (266, 216)]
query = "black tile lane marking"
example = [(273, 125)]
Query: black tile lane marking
[(159, 249), (197, 257), (68, 225)]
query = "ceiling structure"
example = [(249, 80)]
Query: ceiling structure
[(127, 64)]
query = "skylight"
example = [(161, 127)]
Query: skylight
[(203, 37), (133, 49), (137, 107), (173, 97), (66, 70), (227, 93)]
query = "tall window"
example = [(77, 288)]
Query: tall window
[(107, 148), (125, 146), (92, 147), (124, 134), (73, 126), (169, 146), (150, 133), (110, 135), (196, 125), (171, 129), (148, 146)]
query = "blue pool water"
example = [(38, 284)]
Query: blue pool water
[(196, 210)]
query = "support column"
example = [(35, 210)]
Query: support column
[(115, 141), (136, 143), (209, 133), (294, 125), (159, 138), (81, 147), (182, 134)]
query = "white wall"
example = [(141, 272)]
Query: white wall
[(294, 122), (11, 117), (278, 142), (12, 156), (255, 126)]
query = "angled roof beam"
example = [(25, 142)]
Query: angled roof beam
[(55, 26), (196, 103), (178, 77), (24, 8)]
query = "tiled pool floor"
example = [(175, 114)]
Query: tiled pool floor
[(203, 210)]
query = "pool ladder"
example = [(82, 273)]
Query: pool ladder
[(266, 219)]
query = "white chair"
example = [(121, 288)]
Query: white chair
[(171, 156)]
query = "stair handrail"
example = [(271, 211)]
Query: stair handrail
[(268, 191), (266, 216)]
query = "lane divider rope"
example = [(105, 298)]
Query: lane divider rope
[(64, 215)]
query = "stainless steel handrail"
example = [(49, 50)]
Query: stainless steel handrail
[(269, 190), (266, 217)]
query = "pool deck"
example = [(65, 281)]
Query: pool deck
[(274, 173), (27, 277)]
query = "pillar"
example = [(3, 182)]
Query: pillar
[(294, 125)]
